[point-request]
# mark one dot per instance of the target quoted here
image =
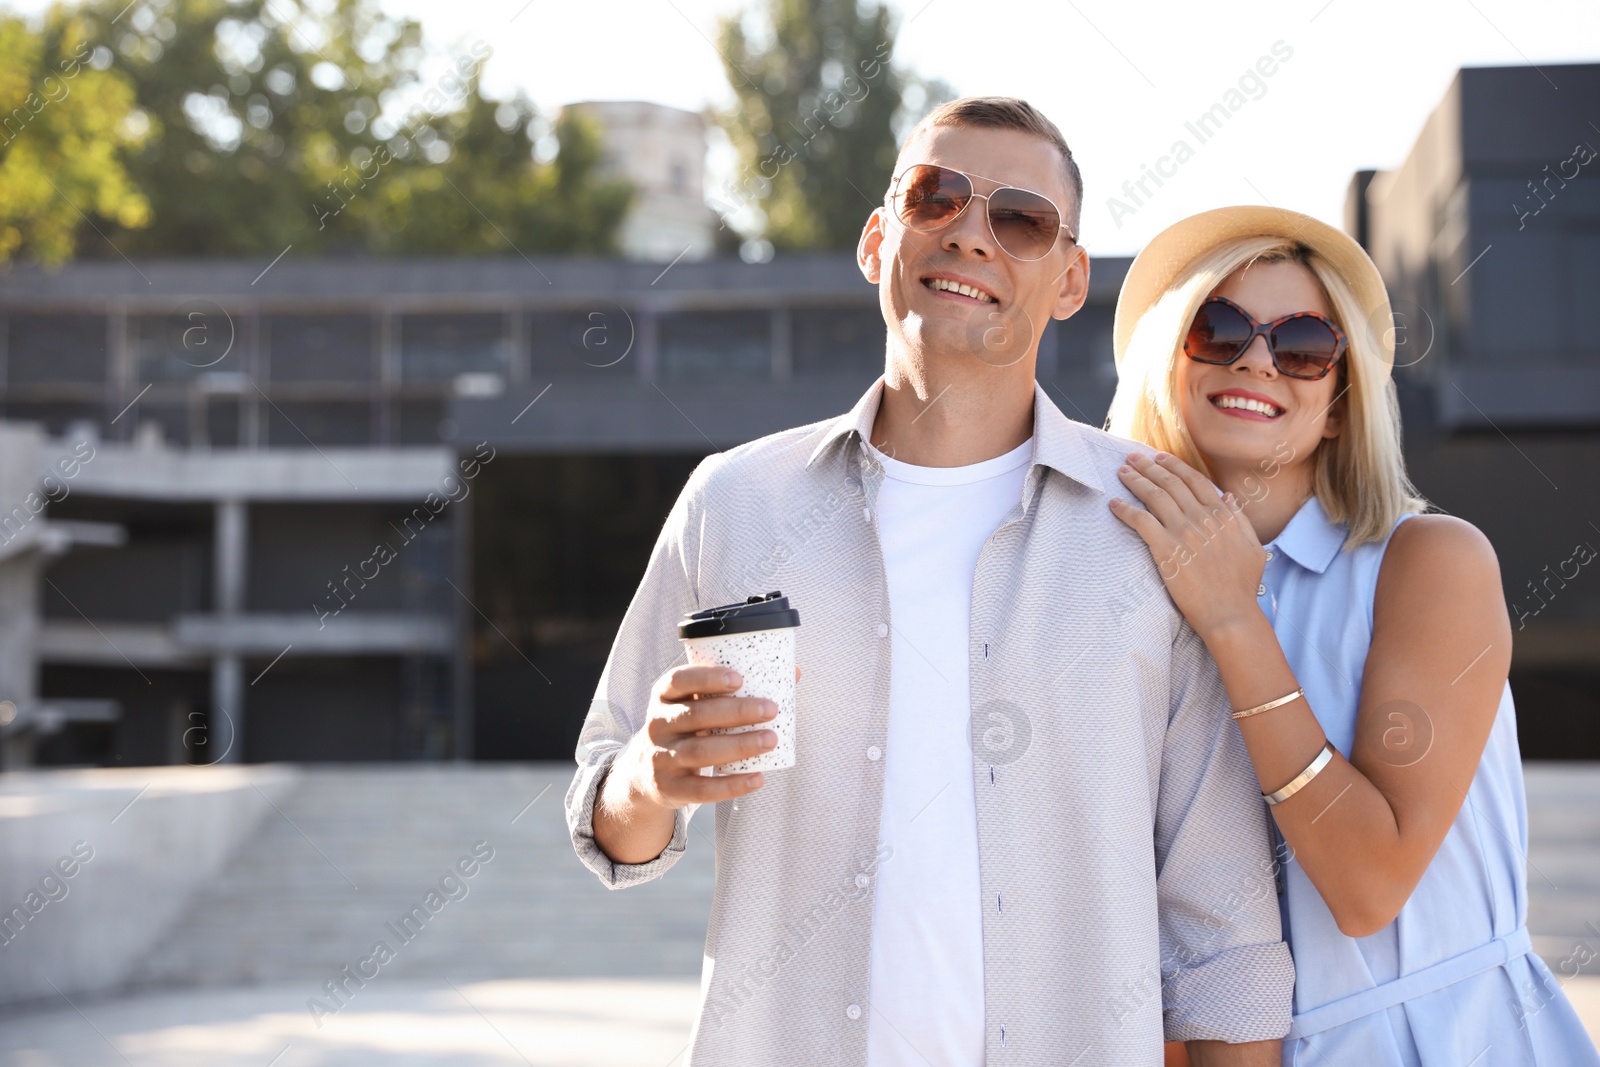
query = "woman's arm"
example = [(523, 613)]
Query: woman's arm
[(1366, 828), (1219, 1054)]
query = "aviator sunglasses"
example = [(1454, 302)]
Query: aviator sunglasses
[(1026, 224), (1303, 345)]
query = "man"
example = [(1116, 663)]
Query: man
[(1020, 825)]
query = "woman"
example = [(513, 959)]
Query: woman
[(1364, 644)]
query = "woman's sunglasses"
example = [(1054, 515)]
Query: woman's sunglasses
[(1303, 345), (926, 198)]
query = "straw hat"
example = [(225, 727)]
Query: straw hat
[(1165, 257)]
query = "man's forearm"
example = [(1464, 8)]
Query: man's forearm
[(627, 827), (1222, 1054)]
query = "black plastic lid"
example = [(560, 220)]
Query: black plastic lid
[(770, 612)]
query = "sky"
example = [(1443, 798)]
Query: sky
[(1120, 77), (1351, 82)]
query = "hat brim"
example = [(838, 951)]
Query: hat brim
[(1154, 269)]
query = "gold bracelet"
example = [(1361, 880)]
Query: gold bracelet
[(1301, 780), (1269, 705)]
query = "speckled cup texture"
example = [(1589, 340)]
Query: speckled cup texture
[(765, 660)]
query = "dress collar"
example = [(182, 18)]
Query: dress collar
[(1310, 539)]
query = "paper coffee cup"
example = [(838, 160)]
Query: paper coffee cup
[(755, 638)]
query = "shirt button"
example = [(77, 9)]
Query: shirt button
[(1269, 557), (866, 513), (862, 881), (883, 629), (853, 1011), (1261, 590), (874, 753)]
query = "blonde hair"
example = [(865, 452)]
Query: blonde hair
[(1360, 476)]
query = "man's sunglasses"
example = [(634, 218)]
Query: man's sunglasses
[(1303, 345), (927, 198)]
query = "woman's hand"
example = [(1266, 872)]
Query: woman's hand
[(1209, 556)]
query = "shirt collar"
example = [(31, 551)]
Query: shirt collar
[(1058, 442), (1310, 539)]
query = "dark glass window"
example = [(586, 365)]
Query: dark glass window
[(436, 348), (1083, 343), (716, 345), (48, 349), (1583, 282), (223, 422), (292, 424), (181, 347), (319, 348), (171, 420), (55, 418), (837, 341), (417, 422), (582, 343)]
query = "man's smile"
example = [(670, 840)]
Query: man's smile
[(956, 287)]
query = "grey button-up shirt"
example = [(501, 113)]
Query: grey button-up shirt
[(1125, 857)]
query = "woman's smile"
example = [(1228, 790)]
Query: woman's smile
[(1243, 404)]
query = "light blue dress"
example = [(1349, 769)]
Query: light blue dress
[(1452, 982)]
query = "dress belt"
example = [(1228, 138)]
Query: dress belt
[(1431, 979)]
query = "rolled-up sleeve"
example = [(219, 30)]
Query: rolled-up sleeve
[(1226, 972), (646, 646)]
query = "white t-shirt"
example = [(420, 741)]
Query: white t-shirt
[(926, 991)]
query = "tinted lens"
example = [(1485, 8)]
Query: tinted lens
[(1217, 335), (1304, 347), (1025, 224), (931, 196)]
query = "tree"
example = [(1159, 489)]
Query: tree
[(488, 193), (66, 127), (814, 123), (329, 128)]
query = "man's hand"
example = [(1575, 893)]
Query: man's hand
[(659, 770), (686, 704)]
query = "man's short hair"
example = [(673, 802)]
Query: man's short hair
[(1009, 113)]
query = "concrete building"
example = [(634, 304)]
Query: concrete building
[(256, 440), (1488, 234), (236, 468), (29, 540)]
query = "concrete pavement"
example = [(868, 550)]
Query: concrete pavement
[(572, 1022), (398, 1023), (534, 964)]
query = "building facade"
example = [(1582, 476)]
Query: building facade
[(1488, 235), (514, 435), (371, 509)]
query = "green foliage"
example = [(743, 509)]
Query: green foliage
[(330, 127), (487, 192), (64, 130), (814, 122)]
